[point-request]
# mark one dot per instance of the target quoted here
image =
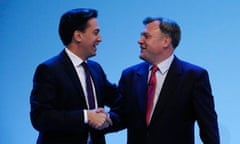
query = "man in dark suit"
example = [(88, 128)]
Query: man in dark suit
[(60, 108), (180, 92)]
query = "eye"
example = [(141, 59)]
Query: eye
[(96, 32), (146, 35)]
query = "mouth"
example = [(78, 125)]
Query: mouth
[(95, 45), (142, 48), (94, 48)]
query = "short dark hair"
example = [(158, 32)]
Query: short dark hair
[(168, 27), (75, 19)]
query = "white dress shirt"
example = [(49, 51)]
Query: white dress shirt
[(81, 75), (161, 74)]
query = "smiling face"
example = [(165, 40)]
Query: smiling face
[(155, 46), (88, 40)]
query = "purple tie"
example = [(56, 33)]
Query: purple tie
[(90, 94)]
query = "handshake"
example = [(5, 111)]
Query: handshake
[(98, 118)]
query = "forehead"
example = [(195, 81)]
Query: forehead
[(153, 26), (93, 23)]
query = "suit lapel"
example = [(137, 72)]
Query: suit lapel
[(95, 75), (71, 72), (141, 87), (168, 88)]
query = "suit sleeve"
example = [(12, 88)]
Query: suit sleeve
[(205, 111), (111, 98)]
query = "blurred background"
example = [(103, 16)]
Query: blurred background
[(29, 35)]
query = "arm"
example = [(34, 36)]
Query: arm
[(108, 96), (205, 111)]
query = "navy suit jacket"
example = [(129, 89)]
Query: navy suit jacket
[(57, 102), (185, 98)]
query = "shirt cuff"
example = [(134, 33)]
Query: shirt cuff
[(85, 116)]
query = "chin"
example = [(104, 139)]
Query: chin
[(141, 56), (92, 55)]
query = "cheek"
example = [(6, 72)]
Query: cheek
[(92, 39), (154, 49), (151, 45), (156, 44)]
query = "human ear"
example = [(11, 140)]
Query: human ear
[(167, 41), (77, 36)]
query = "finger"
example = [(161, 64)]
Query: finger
[(103, 126), (98, 119), (100, 110), (109, 121)]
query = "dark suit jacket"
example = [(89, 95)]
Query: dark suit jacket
[(185, 98), (57, 102)]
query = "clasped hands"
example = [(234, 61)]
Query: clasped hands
[(98, 118)]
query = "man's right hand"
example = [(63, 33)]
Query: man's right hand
[(98, 118)]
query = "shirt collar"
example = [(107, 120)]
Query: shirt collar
[(165, 65), (74, 58)]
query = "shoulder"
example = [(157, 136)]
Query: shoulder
[(94, 64), (59, 58), (54, 63), (139, 69), (95, 67), (188, 67)]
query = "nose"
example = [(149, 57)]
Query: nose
[(99, 39), (140, 40)]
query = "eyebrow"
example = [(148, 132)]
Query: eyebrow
[(145, 34)]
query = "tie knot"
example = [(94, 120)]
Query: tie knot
[(84, 64), (85, 67), (154, 68)]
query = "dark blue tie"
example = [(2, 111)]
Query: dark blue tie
[(90, 94)]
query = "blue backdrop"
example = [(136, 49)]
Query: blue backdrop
[(28, 29)]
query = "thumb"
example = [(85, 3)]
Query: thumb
[(100, 110)]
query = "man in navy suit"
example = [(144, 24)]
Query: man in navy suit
[(181, 96), (60, 109)]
